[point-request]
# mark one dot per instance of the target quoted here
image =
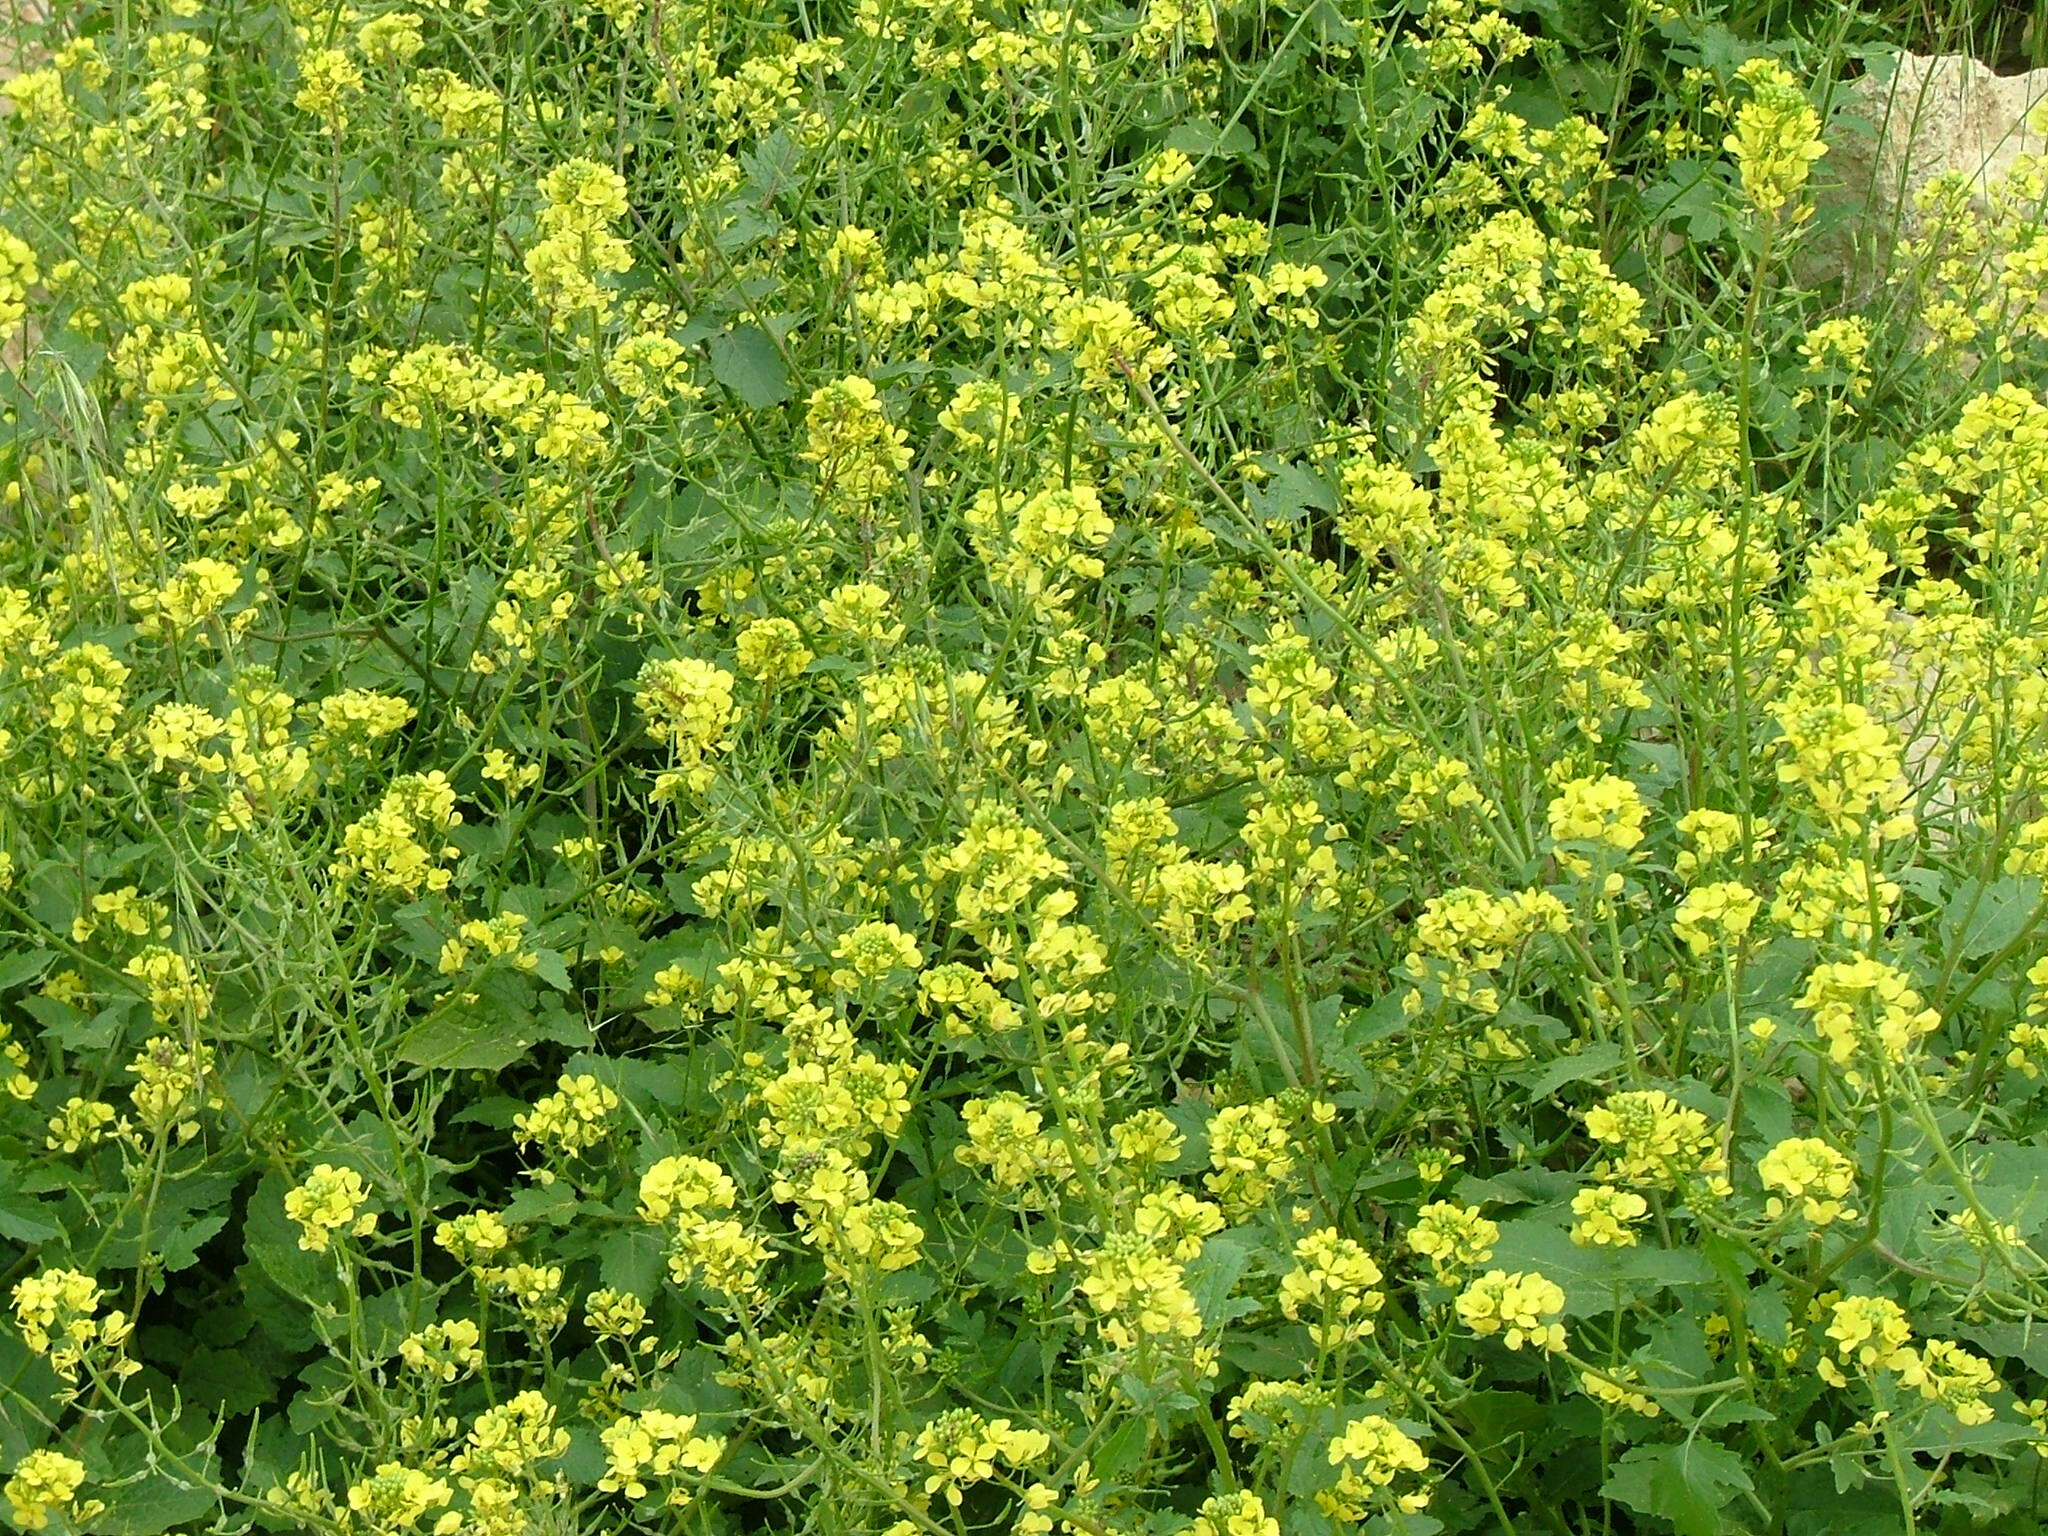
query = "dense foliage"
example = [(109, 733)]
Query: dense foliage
[(920, 767)]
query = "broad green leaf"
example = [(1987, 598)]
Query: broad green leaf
[(745, 361), (1981, 920), (1688, 1484), (468, 1041), (157, 1501), (23, 1217)]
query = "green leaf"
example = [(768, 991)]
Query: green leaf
[(181, 1249), (585, 1462), (773, 166), (1589, 1275), (71, 1028), (1688, 1484), (272, 1241), (632, 1262), (1203, 137), (24, 967), (1592, 1062), (550, 1204), (152, 1504), (1983, 919), (745, 361), (466, 1041), (227, 1381), (549, 968), (1216, 1270), (23, 1217)]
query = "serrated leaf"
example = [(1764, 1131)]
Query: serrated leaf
[(181, 1249), (745, 361), (153, 1503), (1687, 1483), (25, 966), (1982, 920), (540, 1202), (1589, 1275), (1216, 1270), (1594, 1060), (24, 1218), (1203, 138), (272, 1240), (549, 968), (465, 1041), (632, 1262)]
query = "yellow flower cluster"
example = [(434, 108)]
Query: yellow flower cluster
[(659, 1446), (581, 202), (1522, 1308), (1333, 1282), (44, 1483), (1865, 1009), (58, 1313), (1776, 139), (1657, 1140), (572, 1119), (1809, 1170), (964, 1448), (445, 1350), (1605, 1214), (693, 1197), (399, 847), (688, 706), (1376, 1460), (990, 753), (329, 1203), (1453, 1237)]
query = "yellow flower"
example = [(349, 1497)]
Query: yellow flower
[(79, 1124), (474, 1237), (507, 1440), (1617, 1388), (1251, 1151), (399, 846), (688, 707), (859, 454), (772, 651), (1604, 1214), (1812, 1172), (444, 1350), (580, 202), (657, 1445), (396, 1498), (1866, 1005), (18, 274), (42, 1483), (330, 1202), (575, 1117), (328, 79), (1658, 1140), (1522, 1307), (1776, 138), (1608, 811), (1452, 1237), (1333, 1282), (1373, 1453), (1872, 1331), (1234, 1514), (965, 1448), (872, 952), (1948, 1374), (1715, 915), (58, 1314), (1138, 1292)]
